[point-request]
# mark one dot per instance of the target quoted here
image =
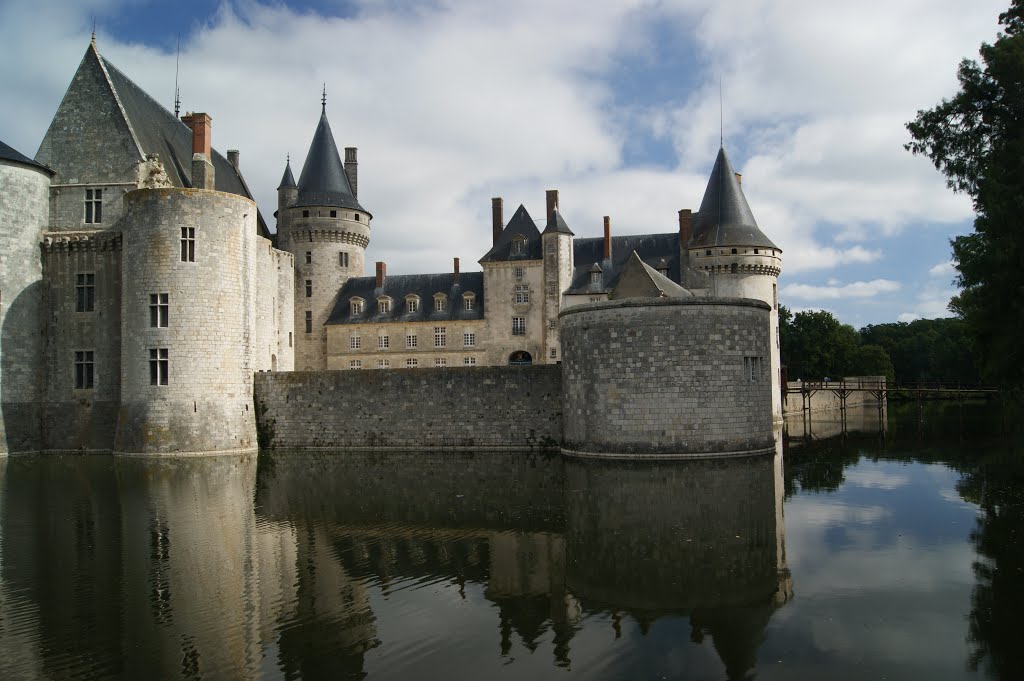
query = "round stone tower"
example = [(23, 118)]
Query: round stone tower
[(187, 322), (24, 212), (322, 224), (740, 260)]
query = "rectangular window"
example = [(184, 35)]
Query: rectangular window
[(554, 353), (411, 363), (343, 259), (383, 363), (309, 288), (383, 306), (383, 342), (469, 303), (519, 272), (305, 213), (85, 292), (552, 323), (355, 364), (188, 244), (289, 339), (596, 299), (309, 321), (412, 305), (309, 257), (439, 304), (93, 206), (159, 366), (440, 337), (357, 306), (469, 361), (334, 213), (412, 340), (752, 369), (469, 339), (355, 342), (522, 293), (519, 326), (159, 310), (83, 369), (440, 362)]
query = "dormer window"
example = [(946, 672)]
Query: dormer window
[(595, 277), (518, 244), (440, 302), (356, 305), (468, 301), (383, 305), (412, 303)]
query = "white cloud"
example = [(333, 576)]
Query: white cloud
[(908, 317), (943, 269), (875, 478), (857, 289)]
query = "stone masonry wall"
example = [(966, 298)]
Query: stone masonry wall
[(507, 407)]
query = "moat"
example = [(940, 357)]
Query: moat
[(894, 555)]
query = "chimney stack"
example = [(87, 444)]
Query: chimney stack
[(497, 221), (202, 165), (351, 169), (455, 276), (685, 226), (382, 271), (607, 237), (552, 201), (233, 158)]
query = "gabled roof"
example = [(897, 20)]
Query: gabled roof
[(651, 248), (8, 153), (640, 280), (323, 181), (724, 218), (397, 287), (287, 180), (521, 223), (556, 225)]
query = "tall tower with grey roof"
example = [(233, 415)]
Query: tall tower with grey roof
[(320, 221), (740, 260)]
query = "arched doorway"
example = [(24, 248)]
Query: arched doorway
[(520, 358)]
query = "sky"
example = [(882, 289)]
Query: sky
[(621, 106)]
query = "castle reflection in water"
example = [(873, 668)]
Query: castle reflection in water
[(290, 565)]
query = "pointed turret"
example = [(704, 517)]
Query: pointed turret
[(725, 218), (287, 180), (323, 181)]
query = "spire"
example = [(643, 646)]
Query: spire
[(287, 180), (323, 100), (323, 181), (725, 218)]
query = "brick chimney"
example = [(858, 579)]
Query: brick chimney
[(202, 165), (552, 202), (455, 274), (497, 220), (607, 237), (382, 271), (685, 226), (351, 169)]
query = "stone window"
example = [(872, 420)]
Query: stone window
[(469, 339), (188, 244), (85, 292), (522, 294), (595, 277), (93, 206), (384, 342), (343, 258), (412, 340), (334, 213), (355, 364), (707, 252), (468, 301), (305, 213), (519, 272), (159, 310), (309, 257), (309, 288), (355, 342), (84, 369), (356, 305), (159, 366), (440, 302), (383, 363), (518, 244), (412, 304), (752, 369), (554, 353), (469, 361), (552, 323), (440, 361), (411, 363), (732, 268), (734, 251), (309, 321), (383, 305), (289, 339), (440, 336), (519, 326), (550, 249)]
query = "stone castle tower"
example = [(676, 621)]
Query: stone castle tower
[(320, 222)]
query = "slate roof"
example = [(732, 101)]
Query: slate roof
[(401, 285), (556, 225), (9, 153), (651, 248), (640, 280), (287, 180), (323, 180), (158, 131), (724, 218), (521, 223)]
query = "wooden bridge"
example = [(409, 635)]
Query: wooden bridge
[(877, 389)]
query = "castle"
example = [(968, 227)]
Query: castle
[(142, 289)]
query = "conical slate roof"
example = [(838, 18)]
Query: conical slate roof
[(287, 180), (323, 181), (556, 224), (724, 218)]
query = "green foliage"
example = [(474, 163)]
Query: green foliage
[(815, 344), (926, 350), (977, 140)]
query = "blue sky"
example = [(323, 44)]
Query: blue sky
[(614, 104)]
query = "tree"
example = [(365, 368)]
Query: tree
[(977, 140), (815, 344)]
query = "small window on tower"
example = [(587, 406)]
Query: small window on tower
[(84, 369), (309, 321), (309, 257), (93, 206), (334, 213), (343, 259), (309, 288), (305, 213), (188, 244)]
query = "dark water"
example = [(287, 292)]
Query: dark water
[(867, 556)]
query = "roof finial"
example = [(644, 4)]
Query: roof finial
[(93, 32), (721, 116), (177, 93), (287, 159), (323, 100)]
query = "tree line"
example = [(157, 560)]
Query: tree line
[(815, 345)]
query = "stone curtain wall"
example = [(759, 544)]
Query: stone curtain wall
[(478, 408)]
